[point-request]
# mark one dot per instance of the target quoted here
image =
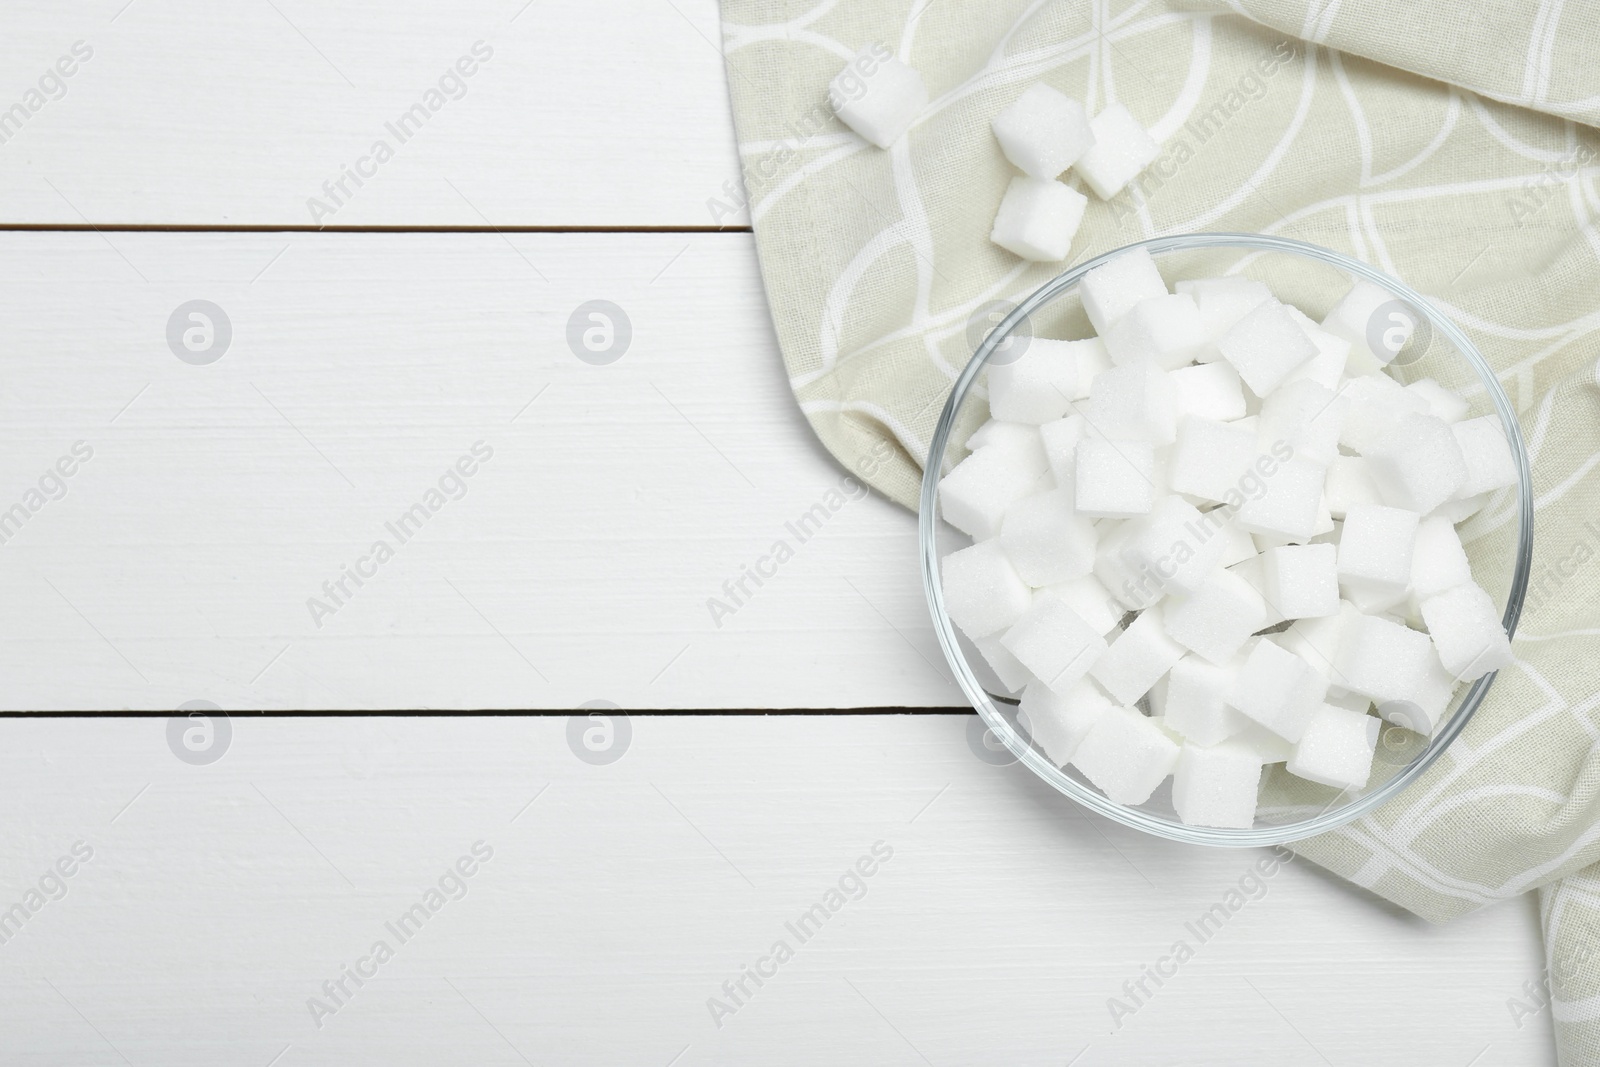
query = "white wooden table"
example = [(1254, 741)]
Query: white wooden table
[(210, 500)]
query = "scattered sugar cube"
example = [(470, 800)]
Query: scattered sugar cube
[(1377, 402), (1466, 630), (1175, 546), (1114, 478), (1053, 642), (1487, 455), (1347, 485), (1113, 288), (1307, 417), (982, 591), (1047, 540), (1265, 346), (877, 98), (1302, 580), (1137, 658), (1377, 545), (1038, 386), (1336, 748), (1133, 403), (1092, 601), (975, 495), (1061, 438), (1443, 404), (1217, 786), (1043, 132), (1350, 319), (1209, 390), (1218, 618), (1165, 330), (1194, 700), (1224, 301), (1120, 151), (1126, 755), (1438, 562), (1210, 458), (1278, 689), (1059, 721), (1038, 219), (1290, 505), (1417, 465), (1008, 669)]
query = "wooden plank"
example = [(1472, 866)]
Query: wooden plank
[(574, 114), (619, 898), (188, 556)]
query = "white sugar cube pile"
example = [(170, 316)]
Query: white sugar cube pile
[(1277, 510)]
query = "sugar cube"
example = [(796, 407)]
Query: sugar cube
[(1443, 404), (1417, 465), (1326, 368), (1253, 570), (1305, 416), (1165, 330), (1348, 484), (1218, 618), (1462, 509), (876, 97), (1047, 540), (1092, 358), (1092, 601), (1317, 640), (1008, 670), (1224, 301), (1210, 458), (1382, 659), (982, 591), (1053, 642), (1061, 437), (1290, 504), (1038, 218), (1487, 455), (1237, 547), (1113, 571), (1114, 478), (1133, 403), (1122, 148), (975, 495), (1336, 748), (1043, 132), (1302, 580), (1059, 721), (1110, 290), (1014, 435), (1268, 746), (1438, 562), (1265, 346), (1209, 390), (1174, 546), (1126, 755), (1377, 402), (1194, 700), (1217, 786), (1138, 656), (1277, 689), (1466, 630), (1352, 319), (1036, 387), (1377, 545)]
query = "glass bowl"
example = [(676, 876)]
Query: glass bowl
[(1311, 278)]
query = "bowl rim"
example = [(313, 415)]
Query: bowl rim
[(983, 703)]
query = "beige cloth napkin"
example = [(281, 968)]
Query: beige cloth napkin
[(1449, 143)]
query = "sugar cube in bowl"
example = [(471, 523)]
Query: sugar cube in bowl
[(1267, 567)]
